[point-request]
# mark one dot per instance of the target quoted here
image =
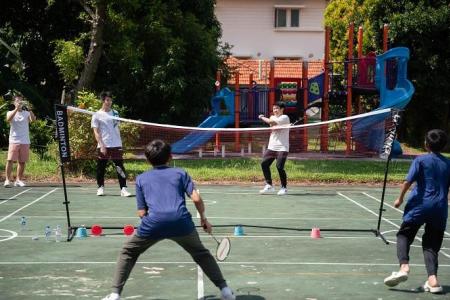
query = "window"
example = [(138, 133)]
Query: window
[(287, 17), (280, 17), (295, 17)]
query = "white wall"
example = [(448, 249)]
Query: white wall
[(249, 26)]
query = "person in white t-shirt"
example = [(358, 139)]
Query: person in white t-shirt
[(109, 144), (19, 140), (278, 148)]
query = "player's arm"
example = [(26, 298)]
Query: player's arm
[(142, 209), (200, 206), (32, 116), (10, 115), (266, 120), (99, 140), (405, 187)]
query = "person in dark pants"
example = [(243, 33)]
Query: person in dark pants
[(160, 197), (427, 205), (109, 144), (278, 149)]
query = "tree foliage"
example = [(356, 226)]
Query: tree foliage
[(158, 57), (423, 27)]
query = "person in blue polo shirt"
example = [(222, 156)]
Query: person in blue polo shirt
[(160, 196), (427, 204)]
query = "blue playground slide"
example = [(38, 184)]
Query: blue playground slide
[(217, 119), (392, 95)]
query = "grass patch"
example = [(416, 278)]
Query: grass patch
[(237, 170)]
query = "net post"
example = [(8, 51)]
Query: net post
[(249, 148), (387, 152), (242, 152), (223, 151), (62, 135), (200, 152)]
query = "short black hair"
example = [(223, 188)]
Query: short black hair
[(105, 94), (280, 104), (158, 152), (436, 140)]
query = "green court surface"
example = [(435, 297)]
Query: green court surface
[(267, 262)]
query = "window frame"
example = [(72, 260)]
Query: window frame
[(288, 9)]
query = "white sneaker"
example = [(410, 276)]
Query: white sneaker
[(124, 192), (7, 183), (267, 189), (19, 183), (395, 278), (432, 289), (112, 296), (282, 192), (100, 191), (227, 294)]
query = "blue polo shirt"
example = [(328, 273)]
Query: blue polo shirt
[(428, 200), (162, 191)]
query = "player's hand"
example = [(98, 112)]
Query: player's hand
[(398, 202), (103, 149), (207, 227), (260, 116)]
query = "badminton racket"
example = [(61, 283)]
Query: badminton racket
[(223, 246)]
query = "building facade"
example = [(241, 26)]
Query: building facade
[(273, 29)]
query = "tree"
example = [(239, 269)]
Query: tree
[(423, 27)]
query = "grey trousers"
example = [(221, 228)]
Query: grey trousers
[(135, 246)]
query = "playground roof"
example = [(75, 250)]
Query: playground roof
[(260, 69)]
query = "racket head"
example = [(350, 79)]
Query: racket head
[(223, 249)]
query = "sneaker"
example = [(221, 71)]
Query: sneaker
[(19, 183), (124, 192), (267, 189), (396, 278), (282, 192), (100, 191), (112, 296), (7, 183), (432, 289), (227, 294)]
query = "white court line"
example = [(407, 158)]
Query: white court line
[(25, 206), (15, 196), (9, 237), (200, 284), (274, 263), (383, 218), (394, 208)]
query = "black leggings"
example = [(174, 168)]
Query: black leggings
[(268, 158), (114, 154), (431, 244)]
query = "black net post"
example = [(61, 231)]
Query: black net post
[(387, 153), (62, 136)]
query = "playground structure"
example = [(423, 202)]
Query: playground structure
[(384, 75)]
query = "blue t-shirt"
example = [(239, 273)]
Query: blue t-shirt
[(162, 192), (428, 201)]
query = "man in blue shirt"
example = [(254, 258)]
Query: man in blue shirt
[(160, 195), (427, 204)]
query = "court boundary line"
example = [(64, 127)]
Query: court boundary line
[(383, 218), (12, 197), (26, 205), (394, 208), (191, 262)]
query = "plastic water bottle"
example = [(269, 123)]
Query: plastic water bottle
[(48, 233), (23, 224), (58, 233)]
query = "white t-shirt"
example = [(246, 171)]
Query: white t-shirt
[(108, 127), (279, 138), (19, 133)]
